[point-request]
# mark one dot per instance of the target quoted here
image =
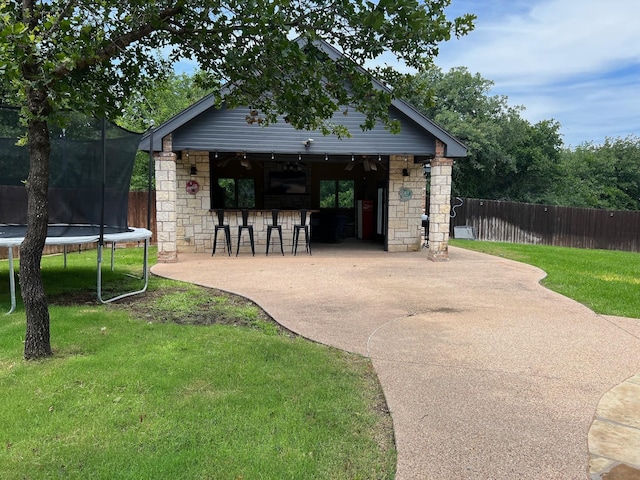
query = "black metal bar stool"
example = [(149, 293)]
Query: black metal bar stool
[(296, 233), (274, 226), (245, 225), (223, 227)]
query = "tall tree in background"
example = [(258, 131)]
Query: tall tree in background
[(602, 176), (90, 56), (162, 100), (508, 158)]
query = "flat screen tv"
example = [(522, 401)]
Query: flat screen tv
[(287, 183)]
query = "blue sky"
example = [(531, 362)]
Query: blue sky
[(574, 61)]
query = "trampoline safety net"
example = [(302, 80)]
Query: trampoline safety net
[(76, 174)]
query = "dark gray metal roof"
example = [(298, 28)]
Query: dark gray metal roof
[(203, 126)]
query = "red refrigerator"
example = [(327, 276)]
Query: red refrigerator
[(365, 219)]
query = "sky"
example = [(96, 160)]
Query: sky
[(573, 61)]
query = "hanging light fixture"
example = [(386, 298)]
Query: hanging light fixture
[(192, 168), (244, 162)]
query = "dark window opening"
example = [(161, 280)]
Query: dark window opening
[(233, 193), (337, 193)]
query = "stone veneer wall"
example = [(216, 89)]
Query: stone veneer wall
[(440, 205), (404, 227), (165, 167), (185, 222), (194, 223)]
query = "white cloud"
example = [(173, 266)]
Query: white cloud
[(576, 61), (558, 38)]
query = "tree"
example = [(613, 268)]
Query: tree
[(508, 158), (91, 55), (602, 176), (162, 100)]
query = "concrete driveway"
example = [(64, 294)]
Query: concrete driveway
[(487, 374)]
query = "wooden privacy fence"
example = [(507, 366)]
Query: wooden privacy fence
[(137, 213), (136, 217), (549, 225)]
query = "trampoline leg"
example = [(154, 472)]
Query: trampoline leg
[(12, 282), (145, 276)]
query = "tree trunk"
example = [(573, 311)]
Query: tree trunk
[(37, 341)]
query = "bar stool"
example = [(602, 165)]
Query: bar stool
[(296, 233), (245, 225), (274, 226), (223, 227)]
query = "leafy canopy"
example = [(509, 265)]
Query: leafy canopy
[(602, 176), (91, 55), (508, 157)]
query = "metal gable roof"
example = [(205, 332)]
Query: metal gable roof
[(204, 126)]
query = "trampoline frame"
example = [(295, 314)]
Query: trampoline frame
[(133, 235)]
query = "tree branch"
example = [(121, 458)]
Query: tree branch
[(120, 43)]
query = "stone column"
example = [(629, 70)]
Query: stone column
[(440, 205), (166, 203), (194, 226), (406, 187)]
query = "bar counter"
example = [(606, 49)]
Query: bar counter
[(260, 219)]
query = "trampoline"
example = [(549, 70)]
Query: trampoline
[(9, 239), (91, 163)]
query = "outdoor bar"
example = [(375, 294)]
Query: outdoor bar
[(371, 186)]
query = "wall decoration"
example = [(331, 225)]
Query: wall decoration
[(192, 187), (405, 194)]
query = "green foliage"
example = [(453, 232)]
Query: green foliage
[(602, 176), (92, 56), (96, 55), (346, 194), (604, 280), (508, 158), (327, 193), (162, 100), (238, 192), (337, 194), (511, 159)]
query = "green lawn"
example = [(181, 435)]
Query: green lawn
[(182, 382), (606, 281)]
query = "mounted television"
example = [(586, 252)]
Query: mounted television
[(287, 183)]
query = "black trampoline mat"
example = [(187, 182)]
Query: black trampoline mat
[(19, 231)]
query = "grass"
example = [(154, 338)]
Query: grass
[(606, 281), (182, 382)]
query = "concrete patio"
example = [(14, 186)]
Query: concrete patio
[(487, 374)]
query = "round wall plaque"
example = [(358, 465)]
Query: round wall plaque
[(192, 187), (405, 194)]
